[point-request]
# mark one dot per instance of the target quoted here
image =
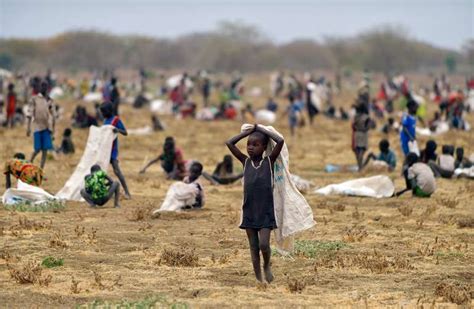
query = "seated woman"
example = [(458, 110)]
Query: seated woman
[(186, 194), (171, 161), (224, 173)]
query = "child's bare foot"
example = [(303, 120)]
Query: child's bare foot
[(127, 196), (259, 277), (268, 274), (117, 206)]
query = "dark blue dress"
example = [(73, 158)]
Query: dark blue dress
[(258, 209)]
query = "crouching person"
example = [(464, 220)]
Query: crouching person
[(419, 177), (99, 188)]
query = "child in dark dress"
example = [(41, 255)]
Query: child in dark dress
[(258, 210)]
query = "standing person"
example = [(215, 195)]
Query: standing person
[(114, 95), (408, 132), (11, 105), (294, 114), (107, 111), (41, 114), (206, 90), (360, 133), (310, 105), (258, 208)]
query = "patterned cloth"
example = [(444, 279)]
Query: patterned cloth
[(24, 171), (97, 185)]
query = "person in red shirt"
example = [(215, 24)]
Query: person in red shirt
[(11, 105)]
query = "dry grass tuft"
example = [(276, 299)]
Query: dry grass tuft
[(405, 209), (295, 285), (26, 224), (375, 262), (355, 234), (75, 286), (357, 215), (454, 292), (79, 230), (29, 273), (139, 214), (448, 202), (338, 207), (466, 222), (179, 258), (57, 240)]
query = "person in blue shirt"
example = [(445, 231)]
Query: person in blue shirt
[(408, 132), (386, 155), (294, 114), (272, 105), (107, 110)]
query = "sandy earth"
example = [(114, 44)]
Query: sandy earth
[(389, 256)]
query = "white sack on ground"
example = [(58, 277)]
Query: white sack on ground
[(175, 80), (56, 93), (25, 192), (376, 186), (161, 107), (179, 195), (93, 97), (292, 212), (146, 130), (97, 151), (265, 116), (301, 184), (443, 127), (465, 172)]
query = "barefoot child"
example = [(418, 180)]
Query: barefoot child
[(11, 105), (107, 110), (360, 134), (258, 207), (40, 113), (99, 188)]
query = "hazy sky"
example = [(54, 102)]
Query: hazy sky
[(445, 23)]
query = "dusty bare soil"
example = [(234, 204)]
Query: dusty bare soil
[(397, 252)]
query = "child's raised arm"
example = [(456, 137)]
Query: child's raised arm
[(234, 149), (278, 140)]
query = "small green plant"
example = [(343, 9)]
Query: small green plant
[(47, 206), (313, 248), (50, 262), (449, 254), (148, 302)]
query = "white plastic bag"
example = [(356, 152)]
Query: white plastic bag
[(413, 147)]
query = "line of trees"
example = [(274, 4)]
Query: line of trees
[(231, 47)]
